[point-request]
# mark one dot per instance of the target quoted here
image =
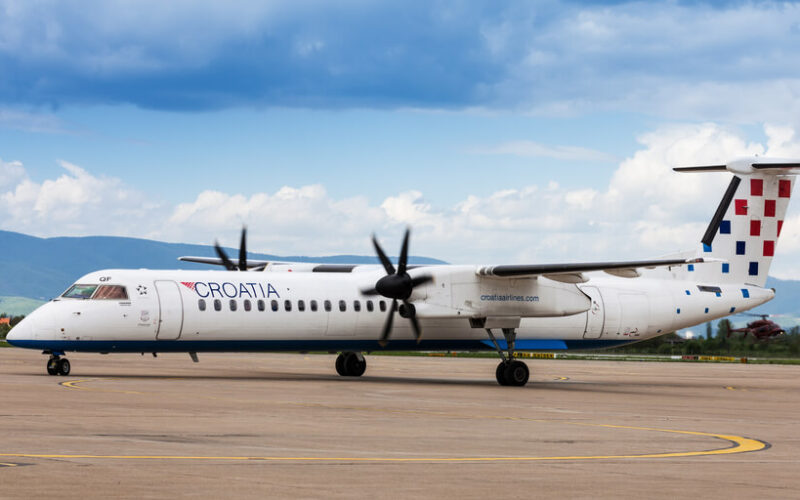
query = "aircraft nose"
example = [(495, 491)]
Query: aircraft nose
[(22, 331)]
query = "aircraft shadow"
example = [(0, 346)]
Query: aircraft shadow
[(589, 386)]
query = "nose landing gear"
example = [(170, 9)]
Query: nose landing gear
[(57, 365)]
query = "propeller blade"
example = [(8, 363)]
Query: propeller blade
[(401, 265), (419, 280), (387, 264), (230, 266), (414, 322), (243, 250), (387, 326)]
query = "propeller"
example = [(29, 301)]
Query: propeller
[(397, 285), (227, 262)]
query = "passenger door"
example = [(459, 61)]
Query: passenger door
[(170, 314)]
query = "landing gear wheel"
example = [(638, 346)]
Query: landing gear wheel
[(52, 366), (340, 365), (516, 373), (355, 364), (500, 373), (351, 364), (63, 367)]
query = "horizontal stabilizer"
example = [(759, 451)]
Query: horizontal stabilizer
[(708, 168), (747, 166)]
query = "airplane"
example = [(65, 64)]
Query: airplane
[(761, 329), (352, 309)]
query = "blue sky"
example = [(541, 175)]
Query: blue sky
[(500, 131)]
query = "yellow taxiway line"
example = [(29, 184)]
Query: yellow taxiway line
[(73, 384), (739, 445)]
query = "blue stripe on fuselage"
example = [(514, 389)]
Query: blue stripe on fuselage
[(303, 345)]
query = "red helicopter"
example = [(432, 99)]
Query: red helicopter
[(762, 329)]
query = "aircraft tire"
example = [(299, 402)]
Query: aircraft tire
[(63, 367), (52, 366), (516, 373), (500, 373), (340, 365), (354, 363)]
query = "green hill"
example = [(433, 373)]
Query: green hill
[(18, 306)]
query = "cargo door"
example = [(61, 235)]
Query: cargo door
[(595, 316), (170, 310)]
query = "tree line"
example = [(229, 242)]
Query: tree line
[(718, 343), (5, 327)]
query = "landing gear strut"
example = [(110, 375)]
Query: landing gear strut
[(351, 364), (57, 365), (510, 371)]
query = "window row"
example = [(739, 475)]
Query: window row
[(288, 305)]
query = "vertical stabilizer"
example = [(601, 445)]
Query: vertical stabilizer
[(745, 229)]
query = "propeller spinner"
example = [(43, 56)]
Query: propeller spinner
[(397, 285)]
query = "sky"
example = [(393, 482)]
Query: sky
[(499, 131)]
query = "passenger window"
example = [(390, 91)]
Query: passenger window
[(217, 305), (382, 305), (80, 291), (342, 305), (247, 305), (328, 305), (274, 305), (370, 306), (261, 305), (356, 305), (314, 305), (201, 304), (287, 305), (111, 292), (232, 304), (301, 305)]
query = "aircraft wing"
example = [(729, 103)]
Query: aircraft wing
[(572, 273), (260, 265), (251, 264)]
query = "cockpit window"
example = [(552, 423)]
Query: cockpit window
[(111, 292), (80, 292)]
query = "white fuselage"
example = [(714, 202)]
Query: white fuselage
[(247, 311)]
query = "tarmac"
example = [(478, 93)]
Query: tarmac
[(286, 426)]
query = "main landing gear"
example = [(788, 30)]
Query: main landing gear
[(57, 365), (510, 371), (351, 364)]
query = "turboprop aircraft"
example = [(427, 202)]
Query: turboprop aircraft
[(351, 309)]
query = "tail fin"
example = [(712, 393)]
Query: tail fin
[(747, 224)]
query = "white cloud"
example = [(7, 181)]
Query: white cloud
[(11, 173), (75, 203), (292, 220)]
